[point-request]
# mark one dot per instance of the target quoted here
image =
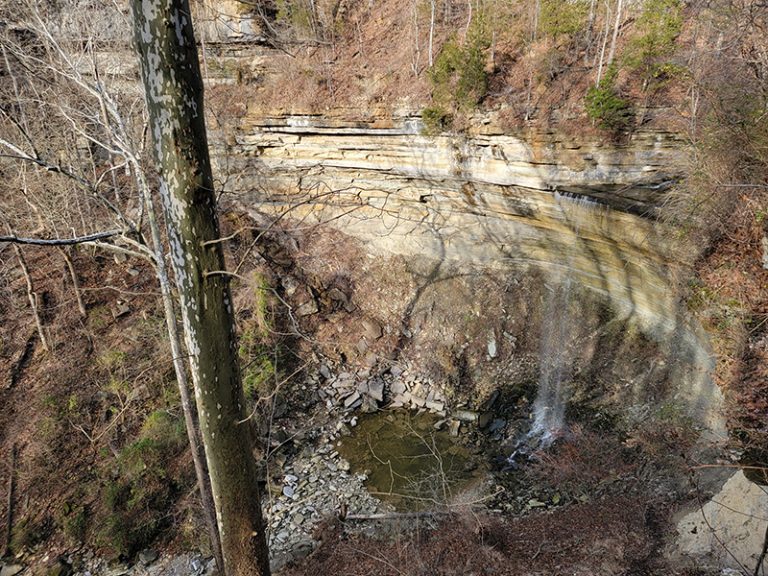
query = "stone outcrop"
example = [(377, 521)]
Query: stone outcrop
[(576, 208), (486, 197), (630, 176), (729, 530)]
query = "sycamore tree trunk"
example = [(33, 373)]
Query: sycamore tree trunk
[(174, 95)]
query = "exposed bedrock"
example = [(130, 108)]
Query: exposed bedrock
[(581, 209)]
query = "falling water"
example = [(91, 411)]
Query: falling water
[(554, 361), (556, 353)]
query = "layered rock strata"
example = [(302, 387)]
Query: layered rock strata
[(486, 197), (580, 208)]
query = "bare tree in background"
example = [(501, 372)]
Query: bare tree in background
[(95, 189)]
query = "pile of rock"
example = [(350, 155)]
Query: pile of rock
[(354, 391), (185, 564), (347, 392), (396, 388), (316, 485), (418, 393)]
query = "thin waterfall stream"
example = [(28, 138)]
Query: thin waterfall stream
[(554, 365), (557, 346)]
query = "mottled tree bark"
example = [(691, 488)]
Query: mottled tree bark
[(190, 413), (174, 94)]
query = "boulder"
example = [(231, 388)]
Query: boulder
[(466, 415), (434, 406), (369, 405), (340, 384), (350, 400), (492, 348), (353, 401), (339, 298), (290, 284), (490, 401), (307, 308), (399, 401), (485, 419), (397, 387), (376, 389), (147, 556)]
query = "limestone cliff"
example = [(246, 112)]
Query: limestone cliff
[(541, 199), (575, 208)]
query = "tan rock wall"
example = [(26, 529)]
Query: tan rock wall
[(496, 199), (566, 206)]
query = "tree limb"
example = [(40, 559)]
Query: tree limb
[(32, 296), (61, 241)]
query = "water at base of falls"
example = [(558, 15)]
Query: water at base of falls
[(554, 369)]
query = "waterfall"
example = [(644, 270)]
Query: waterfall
[(558, 330), (554, 364)]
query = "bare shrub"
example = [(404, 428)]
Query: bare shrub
[(581, 462)]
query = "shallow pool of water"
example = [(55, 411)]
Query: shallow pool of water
[(408, 461)]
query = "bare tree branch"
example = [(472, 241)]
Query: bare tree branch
[(61, 241)]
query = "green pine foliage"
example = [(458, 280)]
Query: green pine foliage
[(436, 119), (562, 20), (606, 107), (459, 77)]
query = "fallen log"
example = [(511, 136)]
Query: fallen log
[(21, 361)]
